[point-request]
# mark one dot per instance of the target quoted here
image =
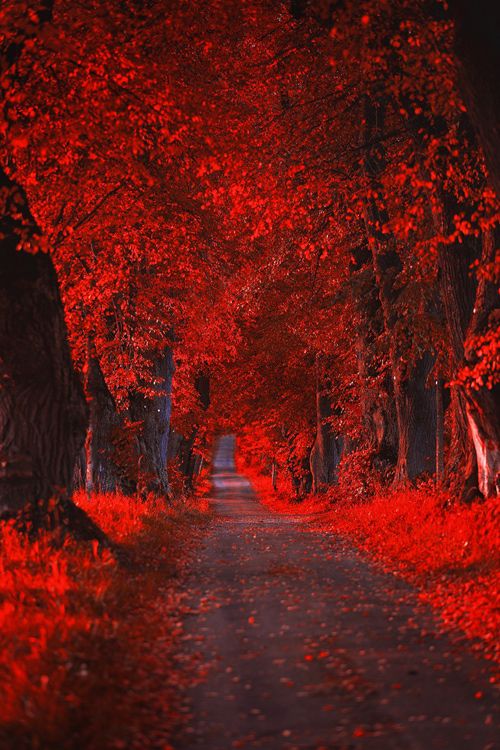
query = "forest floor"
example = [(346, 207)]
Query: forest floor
[(303, 643), (231, 625), (88, 644)]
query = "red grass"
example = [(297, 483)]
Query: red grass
[(67, 618)]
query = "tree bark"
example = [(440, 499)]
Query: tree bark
[(414, 402), (483, 403), (378, 416), (274, 475), (416, 414), (153, 415), (477, 47), (327, 448), (439, 433), (102, 472), (299, 470), (42, 408), (186, 458), (457, 288)]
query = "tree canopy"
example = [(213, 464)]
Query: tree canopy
[(289, 200)]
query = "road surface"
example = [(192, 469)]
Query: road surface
[(302, 643)]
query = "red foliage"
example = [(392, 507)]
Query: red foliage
[(273, 199), (67, 615), (210, 194)]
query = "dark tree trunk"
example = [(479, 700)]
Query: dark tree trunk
[(42, 408), (181, 449), (43, 413), (416, 414), (478, 51), (191, 461), (186, 459), (439, 433), (327, 448), (306, 480), (301, 477), (483, 408), (174, 444), (414, 401), (300, 471), (274, 475), (471, 308), (483, 403), (102, 473), (457, 291), (378, 416), (153, 417)]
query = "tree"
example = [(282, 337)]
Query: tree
[(477, 29), (42, 408), (282, 202)]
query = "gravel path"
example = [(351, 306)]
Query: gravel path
[(304, 644)]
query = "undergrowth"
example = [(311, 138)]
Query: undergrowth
[(86, 641)]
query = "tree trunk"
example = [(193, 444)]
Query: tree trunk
[(468, 307), (483, 403), (482, 412), (439, 433), (197, 466), (457, 292), (300, 471), (42, 408), (378, 416), (456, 288), (478, 51), (182, 450), (153, 415), (274, 475), (188, 459), (327, 448), (414, 402), (174, 444), (102, 471), (306, 480), (416, 415)]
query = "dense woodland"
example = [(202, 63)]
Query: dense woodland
[(278, 219)]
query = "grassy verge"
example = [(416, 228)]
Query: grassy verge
[(450, 553), (87, 645)]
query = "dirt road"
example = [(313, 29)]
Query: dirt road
[(306, 645)]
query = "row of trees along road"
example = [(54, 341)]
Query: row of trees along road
[(278, 215)]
